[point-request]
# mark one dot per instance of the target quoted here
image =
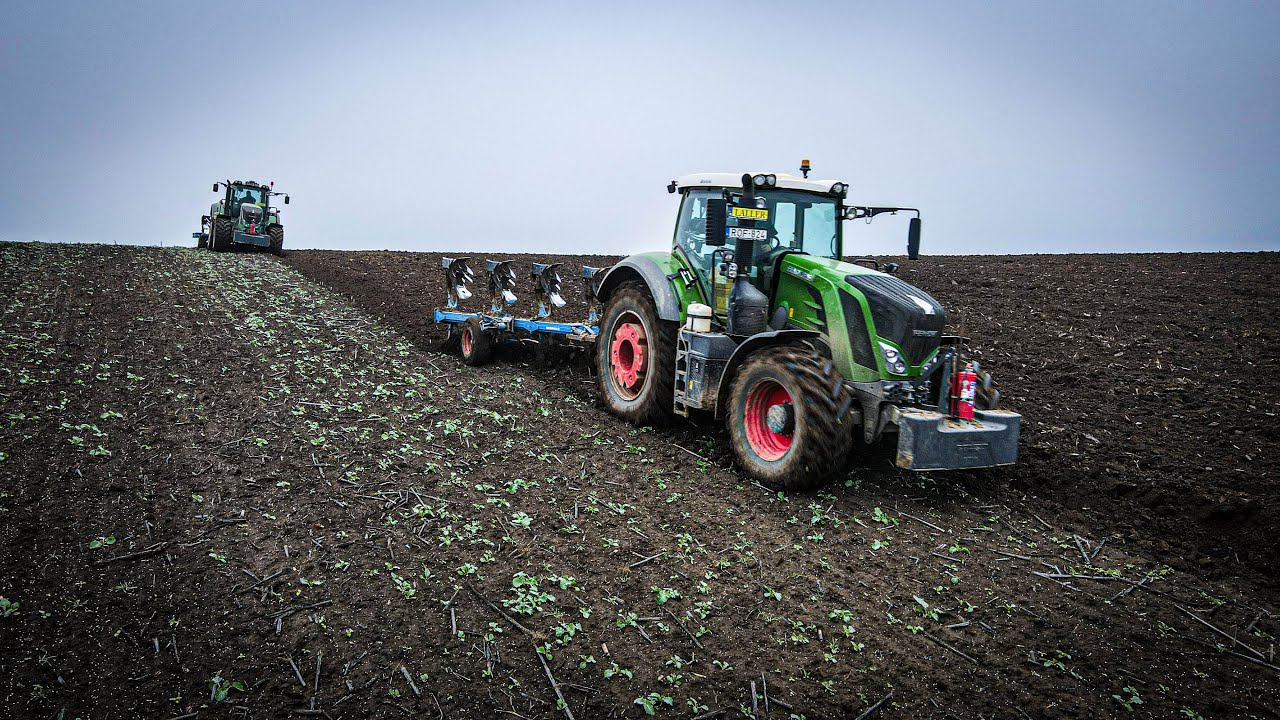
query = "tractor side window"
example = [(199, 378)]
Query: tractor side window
[(691, 231), (784, 224), (820, 229)]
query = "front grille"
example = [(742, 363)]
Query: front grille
[(903, 314), (859, 341)]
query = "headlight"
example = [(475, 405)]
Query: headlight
[(760, 180), (839, 189), (893, 360)]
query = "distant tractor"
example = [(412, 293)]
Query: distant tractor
[(807, 358), (242, 216)]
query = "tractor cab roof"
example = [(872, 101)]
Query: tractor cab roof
[(731, 181), (250, 183)]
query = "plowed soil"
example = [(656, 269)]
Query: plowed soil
[(232, 486)]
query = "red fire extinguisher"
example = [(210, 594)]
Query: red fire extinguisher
[(964, 386)]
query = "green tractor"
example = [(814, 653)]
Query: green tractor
[(242, 216), (807, 358)]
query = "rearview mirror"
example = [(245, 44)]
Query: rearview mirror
[(286, 199), (913, 239), (215, 187), (717, 210)]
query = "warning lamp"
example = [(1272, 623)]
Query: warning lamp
[(804, 168)]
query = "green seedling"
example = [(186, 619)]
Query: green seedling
[(1133, 698), (616, 670), (219, 688), (663, 594), (653, 700)]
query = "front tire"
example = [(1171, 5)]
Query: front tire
[(636, 358), (784, 421), (277, 239), (220, 240)]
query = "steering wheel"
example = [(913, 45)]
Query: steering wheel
[(695, 240)]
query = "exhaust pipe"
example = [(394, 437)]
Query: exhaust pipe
[(748, 306)]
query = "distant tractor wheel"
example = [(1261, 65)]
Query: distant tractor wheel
[(477, 345), (783, 420), (220, 240), (277, 239), (636, 358)]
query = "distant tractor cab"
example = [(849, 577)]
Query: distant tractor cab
[(242, 216)]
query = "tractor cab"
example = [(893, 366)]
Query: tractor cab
[(242, 195), (792, 215)]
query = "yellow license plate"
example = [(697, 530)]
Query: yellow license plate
[(750, 213)]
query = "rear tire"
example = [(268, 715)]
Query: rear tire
[(220, 240), (277, 239), (477, 345), (784, 418), (636, 358)]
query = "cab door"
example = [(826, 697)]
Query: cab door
[(705, 260)]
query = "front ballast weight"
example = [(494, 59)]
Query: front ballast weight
[(476, 333)]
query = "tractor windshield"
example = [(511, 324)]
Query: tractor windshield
[(802, 221), (241, 195), (797, 221)]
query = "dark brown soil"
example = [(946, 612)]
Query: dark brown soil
[(214, 467)]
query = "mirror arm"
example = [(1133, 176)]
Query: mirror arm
[(861, 212)]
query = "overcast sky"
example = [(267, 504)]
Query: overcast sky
[(554, 127)]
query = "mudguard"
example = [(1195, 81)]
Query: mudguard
[(653, 275), (751, 345)]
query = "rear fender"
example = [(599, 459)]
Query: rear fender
[(752, 345), (643, 269)]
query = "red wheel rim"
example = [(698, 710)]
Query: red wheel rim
[(466, 341), (764, 441), (628, 356)]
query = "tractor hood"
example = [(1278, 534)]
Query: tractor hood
[(250, 213), (900, 313)]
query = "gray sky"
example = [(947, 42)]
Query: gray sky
[(554, 127)]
